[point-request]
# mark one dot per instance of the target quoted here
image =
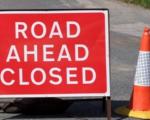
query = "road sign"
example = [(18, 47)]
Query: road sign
[(54, 53)]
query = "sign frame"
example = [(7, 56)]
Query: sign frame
[(107, 34)]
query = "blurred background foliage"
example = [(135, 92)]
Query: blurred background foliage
[(144, 3)]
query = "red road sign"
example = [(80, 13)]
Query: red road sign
[(63, 53)]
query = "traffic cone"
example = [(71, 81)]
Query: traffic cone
[(139, 106)]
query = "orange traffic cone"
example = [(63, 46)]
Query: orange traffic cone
[(139, 106)]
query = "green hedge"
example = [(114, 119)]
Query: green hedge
[(144, 3)]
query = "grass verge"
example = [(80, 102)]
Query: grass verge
[(144, 3)]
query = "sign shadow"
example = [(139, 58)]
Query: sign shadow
[(78, 109)]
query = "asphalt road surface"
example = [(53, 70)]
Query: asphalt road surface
[(127, 23)]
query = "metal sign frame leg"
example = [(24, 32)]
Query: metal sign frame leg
[(106, 106)]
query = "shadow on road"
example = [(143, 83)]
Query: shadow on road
[(79, 109)]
